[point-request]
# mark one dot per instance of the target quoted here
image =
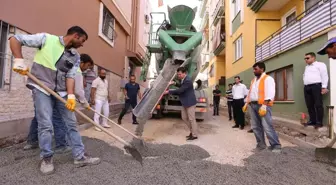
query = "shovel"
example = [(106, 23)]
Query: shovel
[(133, 135), (328, 154), (128, 147)]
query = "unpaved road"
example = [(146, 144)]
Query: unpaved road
[(221, 155)]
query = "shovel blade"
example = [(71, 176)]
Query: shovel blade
[(134, 153), (327, 155)]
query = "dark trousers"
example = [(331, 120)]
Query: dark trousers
[(127, 106), (313, 98), (230, 106), (216, 107), (238, 114)]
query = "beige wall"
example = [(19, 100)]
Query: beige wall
[(145, 9), (125, 7)]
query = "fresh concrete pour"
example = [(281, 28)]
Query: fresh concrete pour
[(164, 164)]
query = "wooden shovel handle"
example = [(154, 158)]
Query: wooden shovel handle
[(38, 82)]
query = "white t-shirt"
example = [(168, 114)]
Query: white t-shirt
[(101, 88)]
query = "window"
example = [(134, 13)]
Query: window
[(311, 5), (236, 7), (238, 45), (283, 84), (289, 18), (4, 27), (106, 25)]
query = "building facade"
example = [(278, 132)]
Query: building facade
[(117, 32), (213, 26), (278, 33)]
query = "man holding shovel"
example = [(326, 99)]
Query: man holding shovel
[(55, 65)]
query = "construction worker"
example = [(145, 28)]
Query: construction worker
[(259, 102), (55, 65), (86, 63)]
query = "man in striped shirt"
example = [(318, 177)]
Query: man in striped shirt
[(89, 76), (229, 101)]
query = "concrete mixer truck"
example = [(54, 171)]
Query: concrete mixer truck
[(173, 43)]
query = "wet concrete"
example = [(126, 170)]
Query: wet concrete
[(165, 164)]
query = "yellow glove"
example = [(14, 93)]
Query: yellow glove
[(71, 102), (245, 107), (20, 66), (262, 110), (86, 105)]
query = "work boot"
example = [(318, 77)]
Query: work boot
[(135, 123), (189, 135), (87, 160), (47, 166), (30, 146), (236, 126), (119, 121)]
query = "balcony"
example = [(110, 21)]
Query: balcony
[(218, 42), (266, 5), (203, 7), (218, 11), (205, 19), (312, 21)]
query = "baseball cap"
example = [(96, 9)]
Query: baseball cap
[(322, 51)]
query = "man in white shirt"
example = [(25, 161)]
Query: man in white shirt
[(259, 102), (100, 98), (239, 91), (315, 79)]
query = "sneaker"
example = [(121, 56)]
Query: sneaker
[(276, 150), (63, 150), (106, 125), (30, 146), (135, 123), (236, 126), (47, 166), (87, 160), (192, 138), (98, 129)]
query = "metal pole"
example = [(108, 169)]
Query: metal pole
[(331, 122)]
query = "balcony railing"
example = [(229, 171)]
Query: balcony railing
[(218, 11), (303, 27)]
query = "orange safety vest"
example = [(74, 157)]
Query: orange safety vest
[(261, 91)]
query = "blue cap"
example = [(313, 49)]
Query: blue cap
[(322, 51)]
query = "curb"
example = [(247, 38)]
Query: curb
[(298, 142)]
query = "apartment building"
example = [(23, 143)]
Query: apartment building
[(278, 33), (213, 26), (118, 34)]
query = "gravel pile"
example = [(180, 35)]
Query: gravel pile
[(171, 165)]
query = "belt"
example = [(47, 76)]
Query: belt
[(254, 102), (239, 99), (313, 84)]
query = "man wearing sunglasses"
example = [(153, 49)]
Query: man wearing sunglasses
[(315, 79)]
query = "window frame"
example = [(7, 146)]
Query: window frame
[(282, 70), (238, 55), (284, 17), (101, 24), (3, 53), (236, 8), (311, 10)]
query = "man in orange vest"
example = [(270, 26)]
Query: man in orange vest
[(259, 102)]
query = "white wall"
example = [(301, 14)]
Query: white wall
[(333, 79)]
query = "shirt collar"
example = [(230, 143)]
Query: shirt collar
[(312, 64), (61, 40)]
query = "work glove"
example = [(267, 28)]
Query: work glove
[(245, 108), (71, 102), (20, 66), (86, 105), (262, 110)]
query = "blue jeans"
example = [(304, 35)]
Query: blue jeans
[(59, 130), (45, 106), (87, 91), (261, 125)]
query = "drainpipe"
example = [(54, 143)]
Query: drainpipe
[(331, 121)]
